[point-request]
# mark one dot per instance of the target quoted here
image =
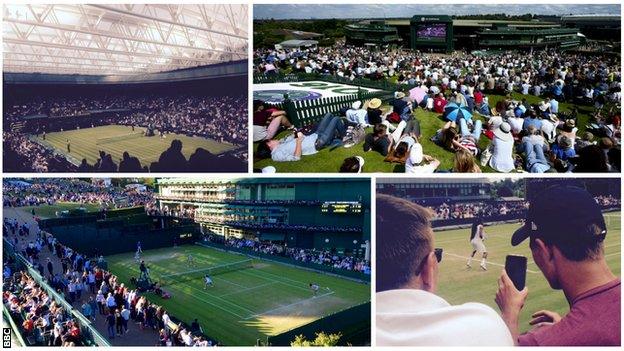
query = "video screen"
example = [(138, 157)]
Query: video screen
[(431, 32)]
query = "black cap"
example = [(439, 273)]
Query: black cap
[(562, 214)]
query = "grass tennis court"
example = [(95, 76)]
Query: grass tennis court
[(330, 159), (115, 139), (246, 304), (458, 284), (49, 211)]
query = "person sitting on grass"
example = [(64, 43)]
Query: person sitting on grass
[(298, 144), (267, 121), (374, 112), (464, 162)]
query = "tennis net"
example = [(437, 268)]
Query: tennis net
[(168, 279)]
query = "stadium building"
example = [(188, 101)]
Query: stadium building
[(445, 34), (373, 33), (432, 190), (305, 213)]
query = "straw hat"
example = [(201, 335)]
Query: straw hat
[(374, 103)]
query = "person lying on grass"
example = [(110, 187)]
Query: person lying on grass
[(294, 146), (267, 121)]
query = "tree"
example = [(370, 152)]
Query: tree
[(322, 339)]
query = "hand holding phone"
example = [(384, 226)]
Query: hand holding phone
[(516, 267)]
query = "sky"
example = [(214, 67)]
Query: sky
[(309, 11)]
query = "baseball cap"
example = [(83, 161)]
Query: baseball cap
[(562, 214)]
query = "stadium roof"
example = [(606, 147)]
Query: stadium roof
[(121, 39)]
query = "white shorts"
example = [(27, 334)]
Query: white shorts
[(478, 245)]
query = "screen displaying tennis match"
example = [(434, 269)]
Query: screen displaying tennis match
[(341, 207), (431, 32)]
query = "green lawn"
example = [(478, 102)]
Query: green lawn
[(85, 144), (244, 305), (329, 160), (458, 284), (49, 211)]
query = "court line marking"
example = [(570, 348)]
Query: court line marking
[(274, 280), (247, 289), (490, 262), (224, 300), (292, 304), (613, 254), (209, 302)]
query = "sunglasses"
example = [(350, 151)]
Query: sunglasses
[(438, 255)]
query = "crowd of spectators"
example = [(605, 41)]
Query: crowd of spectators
[(99, 293), (48, 191), (223, 119), (321, 257), (43, 320), (479, 209), (521, 136), (284, 226)]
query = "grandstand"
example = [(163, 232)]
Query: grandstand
[(261, 292), (111, 87)]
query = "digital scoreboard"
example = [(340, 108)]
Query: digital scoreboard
[(341, 207)]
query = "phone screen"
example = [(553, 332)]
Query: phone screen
[(516, 267)]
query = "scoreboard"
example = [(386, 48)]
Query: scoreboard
[(341, 207)]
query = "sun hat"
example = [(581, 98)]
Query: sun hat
[(399, 95), (503, 131), (374, 103)]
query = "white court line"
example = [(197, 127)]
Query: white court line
[(247, 289), (227, 281), (489, 262), (224, 300), (275, 280), (613, 254), (292, 304), (210, 303)]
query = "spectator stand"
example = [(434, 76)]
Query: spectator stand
[(90, 334), (319, 268)]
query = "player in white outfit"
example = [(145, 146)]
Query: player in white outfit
[(477, 236), (208, 281)]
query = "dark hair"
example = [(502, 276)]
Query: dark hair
[(257, 103), (404, 239), (350, 165), (591, 159), (581, 250), (380, 129), (400, 150), (447, 137), (263, 150)]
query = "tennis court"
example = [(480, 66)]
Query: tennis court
[(115, 139), (250, 301), (459, 284)]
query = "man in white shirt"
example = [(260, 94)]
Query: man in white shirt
[(408, 311)]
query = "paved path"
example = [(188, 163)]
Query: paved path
[(136, 336)]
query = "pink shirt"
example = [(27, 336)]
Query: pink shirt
[(593, 320)]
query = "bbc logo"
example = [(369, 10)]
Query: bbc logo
[(6, 338)]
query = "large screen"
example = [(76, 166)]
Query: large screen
[(342, 207), (431, 32)]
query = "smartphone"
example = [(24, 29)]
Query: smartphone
[(516, 267)]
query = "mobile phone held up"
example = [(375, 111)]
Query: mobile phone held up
[(516, 267)]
